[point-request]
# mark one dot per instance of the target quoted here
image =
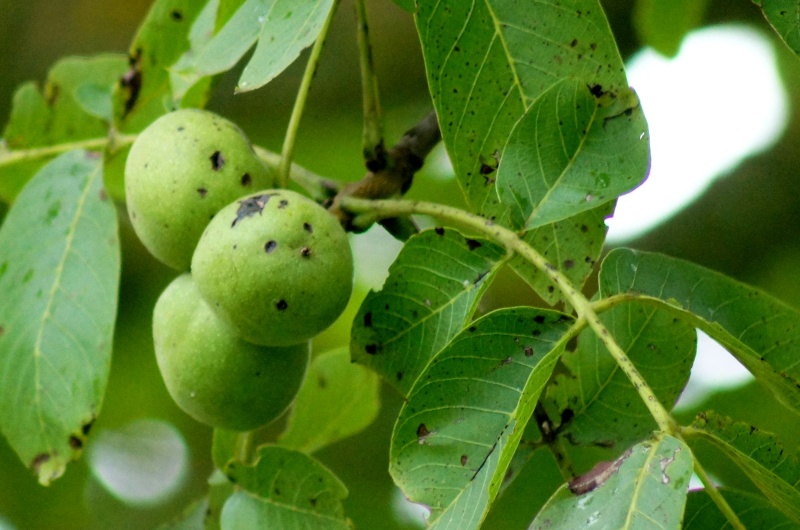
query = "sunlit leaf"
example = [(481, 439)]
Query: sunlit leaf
[(662, 24), (281, 28), (71, 107), (572, 246), (337, 399), (284, 489), (464, 417), (645, 488), (754, 512), (488, 62), (182, 78), (576, 147), (775, 470), (596, 401), (432, 289), (59, 275), (760, 331), (784, 17)]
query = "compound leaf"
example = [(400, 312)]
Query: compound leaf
[(431, 291), (488, 61), (644, 488), (784, 17), (284, 489), (760, 331), (59, 275), (337, 399), (464, 417), (759, 455)]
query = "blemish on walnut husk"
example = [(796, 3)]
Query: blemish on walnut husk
[(251, 206), (270, 246), (217, 161), (176, 15), (246, 179), (308, 228), (305, 252), (283, 204), (75, 442), (202, 192), (281, 305)]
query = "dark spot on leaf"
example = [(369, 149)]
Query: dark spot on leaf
[(486, 169), (270, 246), (399, 376), (176, 15), (566, 415), (312, 501), (251, 206), (75, 442), (439, 231), (463, 460), (38, 461), (506, 361), (368, 319), (573, 43), (422, 433), (528, 351), (281, 305), (202, 192), (131, 81), (584, 228), (276, 491), (322, 382), (481, 276), (103, 195), (371, 349), (539, 319), (246, 179), (472, 244), (593, 46), (2, 330), (472, 328), (305, 252), (86, 427), (568, 264), (217, 161)]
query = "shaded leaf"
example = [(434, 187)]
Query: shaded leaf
[(464, 417), (284, 489), (488, 61), (596, 400), (784, 17), (408, 5), (337, 399), (181, 77), (760, 331), (144, 92), (773, 469), (431, 291), (662, 24), (59, 275), (223, 447), (573, 246), (754, 512), (281, 28), (645, 488), (192, 518), (71, 107), (577, 147)]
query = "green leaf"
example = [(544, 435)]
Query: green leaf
[(59, 275), (464, 417), (754, 512), (432, 290), (645, 488), (575, 148), (775, 470), (573, 246), (181, 77), (760, 331), (407, 5), (223, 447), (71, 107), (282, 28), (662, 24), (784, 17), (488, 61), (192, 518), (144, 93), (337, 399), (284, 489)]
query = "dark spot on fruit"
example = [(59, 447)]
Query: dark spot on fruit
[(283, 204), (439, 231), (305, 252), (528, 351), (38, 461), (181, 128), (367, 319), (308, 228), (463, 460), (176, 15), (251, 206), (472, 244), (86, 427), (270, 246), (281, 305), (202, 192), (75, 442), (539, 319), (246, 179), (322, 382), (217, 161), (568, 264)]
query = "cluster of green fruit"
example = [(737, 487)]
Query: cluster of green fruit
[(270, 269)]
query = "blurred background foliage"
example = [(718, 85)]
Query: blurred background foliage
[(744, 225)]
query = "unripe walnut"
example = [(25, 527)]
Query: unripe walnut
[(275, 265), (180, 171), (212, 374)]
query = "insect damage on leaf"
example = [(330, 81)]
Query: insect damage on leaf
[(598, 475)]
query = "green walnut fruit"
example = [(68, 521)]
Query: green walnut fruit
[(212, 374), (275, 265), (180, 171)]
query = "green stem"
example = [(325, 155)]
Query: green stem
[(244, 447), (512, 242), (716, 496), (16, 156), (373, 130), (300, 102), (320, 188)]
